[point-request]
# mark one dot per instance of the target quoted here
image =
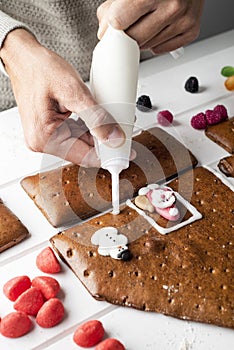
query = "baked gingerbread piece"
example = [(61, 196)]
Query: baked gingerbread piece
[(226, 166), (222, 134), (72, 193), (12, 231), (187, 274)]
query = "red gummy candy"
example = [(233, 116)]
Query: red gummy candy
[(212, 117), (47, 262), (222, 111), (110, 344), (49, 286), (29, 301), (15, 324), (199, 121), (50, 314), (165, 118), (16, 286), (89, 333)]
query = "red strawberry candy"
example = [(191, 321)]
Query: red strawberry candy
[(110, 344), (15, 324), (164, 118), (16, 286), (47, 262), (49, 286), (199, 121), (89, 333), (29, 301), (51, 313)]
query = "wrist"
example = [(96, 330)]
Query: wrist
[(16, 45)]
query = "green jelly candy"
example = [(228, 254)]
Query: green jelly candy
[(227, 71)]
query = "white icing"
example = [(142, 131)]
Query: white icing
[(110, 242), (196, 215), (115, 192), (173, 211), (153, 186), (143, 191)]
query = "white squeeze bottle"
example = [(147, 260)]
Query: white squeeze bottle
[(113, 79)]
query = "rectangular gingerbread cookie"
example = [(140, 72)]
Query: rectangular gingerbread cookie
[(226, 166), (187, 274), (12, 231), (73, 193), (222, 134)]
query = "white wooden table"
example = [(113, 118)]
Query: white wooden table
[(163, 80)]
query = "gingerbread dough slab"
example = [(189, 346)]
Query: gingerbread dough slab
[(12, 231), (187, 274), (223, 134), (72, 193)]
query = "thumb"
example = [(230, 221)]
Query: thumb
[(100, 122), (103, 126)]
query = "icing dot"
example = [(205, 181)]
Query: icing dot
[(57, 194), (111, 273), (154, 278), (69, 253), (86, 273)]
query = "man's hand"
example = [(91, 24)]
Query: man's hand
[(157, 25), (47, 90)]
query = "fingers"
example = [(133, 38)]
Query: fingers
[(101, 124), (159, 25), (72, 142), (174, 43), (170, 38), (141, 19), (102, 15), (69, 142), (155, 25), (122, 14)]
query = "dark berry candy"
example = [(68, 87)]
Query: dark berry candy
[(213, 117), (222, 111), (144, 103), (165, 118), (192, 85), (199, 121)]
